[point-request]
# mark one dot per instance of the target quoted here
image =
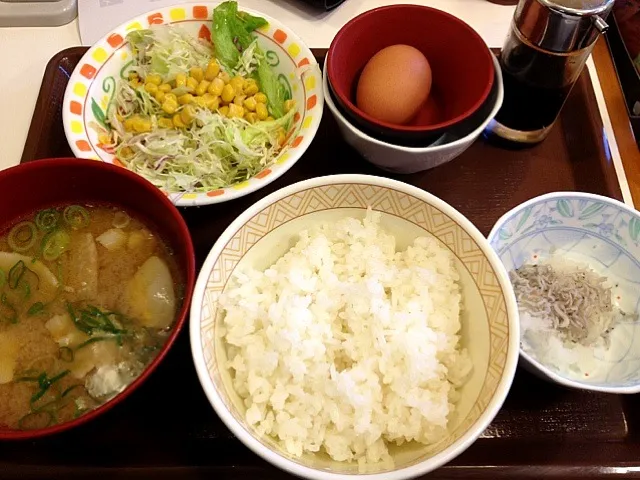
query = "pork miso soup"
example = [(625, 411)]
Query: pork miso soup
[(88, 296)]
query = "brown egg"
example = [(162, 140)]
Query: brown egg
[(394, 84)]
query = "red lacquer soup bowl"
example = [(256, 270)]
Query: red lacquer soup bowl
[(40, 185)]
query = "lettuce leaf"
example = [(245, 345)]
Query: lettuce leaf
[(232, 35), (270, 85), (232, 32)]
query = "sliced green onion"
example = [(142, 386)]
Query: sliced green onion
[(9, 312), (121, 220), (76, 216), (36, 420), (70, 389), (50, 406), (35, 309), (66, 354), (54, 244), (27, 291), (92, 319), (47, 220), (3, 278), (44, 382), (79, 412), (117, 338), (16, 273), (22, 237), (59, 272)]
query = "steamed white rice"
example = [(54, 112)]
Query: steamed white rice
[(344, 344)]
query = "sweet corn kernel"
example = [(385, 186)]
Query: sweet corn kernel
[(160, 96), (154, 78), (216, 86), (104, 138), (235, 111), (187, 114), (141, 125), (250, 87), (199, 101), (212, 102), (177, 121), (237, 83), (192, 83), (260, 97), (239, 100), (224, 111), (224, 76), (132, 75), (251, 117), (197, 73), (171, 97), (165, 87), (269, 119), (261, 111), (126, 152), (165, 123), (228, 93), (212, 70), (185, 99), (135, 83), (181, 80), (250, 104), (281, 137), (151, 88), (202, 87), (169, 106), (289, 104)]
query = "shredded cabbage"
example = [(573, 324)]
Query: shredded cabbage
[(214, 152), (168, 51)]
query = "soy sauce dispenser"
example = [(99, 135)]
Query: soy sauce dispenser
[(545, 51)]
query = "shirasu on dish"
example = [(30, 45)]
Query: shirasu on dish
[(574, 298)]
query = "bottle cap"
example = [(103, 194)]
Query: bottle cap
[(562, 26)]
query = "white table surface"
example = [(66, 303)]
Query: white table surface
[(24, 53)]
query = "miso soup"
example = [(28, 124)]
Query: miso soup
[(88, 297)]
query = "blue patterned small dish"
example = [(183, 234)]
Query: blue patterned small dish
[(605, 235)]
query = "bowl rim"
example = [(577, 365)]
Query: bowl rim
[(406, 129), (229, 192), (529, 359), (425, 466), (430, 148), (189, 269)]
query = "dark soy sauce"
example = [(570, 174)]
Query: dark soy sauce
[(536, 83)]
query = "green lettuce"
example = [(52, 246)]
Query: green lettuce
[(232, 35), (274, 90), (232, 32)]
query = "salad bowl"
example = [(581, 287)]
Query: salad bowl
[(90, 98)]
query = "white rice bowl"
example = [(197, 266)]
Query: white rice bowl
[(425, 349)]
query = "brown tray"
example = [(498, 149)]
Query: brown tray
[(167, 429)]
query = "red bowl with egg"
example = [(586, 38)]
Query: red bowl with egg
[(48, 183), (461, 65)]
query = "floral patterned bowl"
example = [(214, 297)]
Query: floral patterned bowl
[(602, 233), (92, 86)]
